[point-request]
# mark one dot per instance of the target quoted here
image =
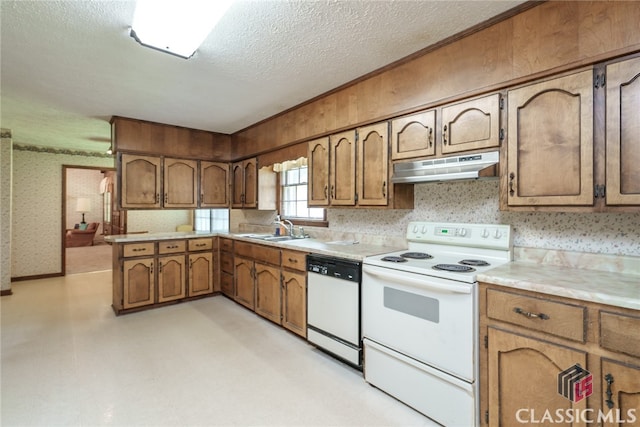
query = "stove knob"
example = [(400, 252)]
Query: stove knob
[(485, 233), (424, 229), (497, 234), (463, 232), (415, 229)]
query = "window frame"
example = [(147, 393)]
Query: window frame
[(298, 221)]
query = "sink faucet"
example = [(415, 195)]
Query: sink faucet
[(284, 223)]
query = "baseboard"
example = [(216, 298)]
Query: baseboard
[(36, 277)]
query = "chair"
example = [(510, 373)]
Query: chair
[(76, 237)]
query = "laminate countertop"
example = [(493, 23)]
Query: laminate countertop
[(614, 288)]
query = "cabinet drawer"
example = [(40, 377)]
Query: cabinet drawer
[(295, 260), (137, 249), (226, 262), (556, 318), (171, 247), (201, 244), (226, 245), (620, 333)]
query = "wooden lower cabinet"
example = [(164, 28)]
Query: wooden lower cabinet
[(201, 274), (243, 276), (171, 278), (533, 340), (138, 283), (267, 287), (523, 378), (294, 302)]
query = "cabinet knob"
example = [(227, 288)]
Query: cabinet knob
[(444, 134), (609, 379), (512, 176)]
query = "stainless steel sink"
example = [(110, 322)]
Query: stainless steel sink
[(277, 238)]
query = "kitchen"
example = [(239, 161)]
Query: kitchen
[(606, 233)]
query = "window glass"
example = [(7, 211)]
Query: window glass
[(293, 200)]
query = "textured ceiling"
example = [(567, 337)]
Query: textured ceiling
[(68, 66)]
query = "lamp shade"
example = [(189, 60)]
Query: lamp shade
[(83, 204)]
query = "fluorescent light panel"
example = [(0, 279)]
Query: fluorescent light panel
[(177, 27)]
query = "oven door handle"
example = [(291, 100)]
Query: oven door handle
[(419, 284)]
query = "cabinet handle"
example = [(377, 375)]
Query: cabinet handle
[(139, 249), (166, 198), (157, 197), (430, 137), (529, 314), (609, 379), (326, 189), (242, 198), (444, 135), (512, 176), (295, 261), (191, 264), (384, 188), (201, 197), (151, 268), (199, 245), (160, 268), (333, 194)]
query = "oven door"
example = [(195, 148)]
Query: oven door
[(426, 318)]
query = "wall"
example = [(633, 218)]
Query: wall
[(477, 202), (84, 183), (6, 166), (158, 221), (36, 235)]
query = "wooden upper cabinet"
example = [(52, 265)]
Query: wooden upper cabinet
[(214, 185), (244, 175), (413, 136), (373, 165), (623, 133), (141, 182), (550, 148), (471, 125), (318, 160), (180, 183), (343, 168)]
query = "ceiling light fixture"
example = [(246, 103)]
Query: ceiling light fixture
[(177, 27)]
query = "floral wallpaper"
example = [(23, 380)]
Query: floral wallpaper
[(5, 209), (36, 245), (477, 202)]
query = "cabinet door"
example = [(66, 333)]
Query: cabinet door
[(343, 168), (318, 153), (201, 273), (471, 125), (294, 302), (171, 278), (550, 149), (244, 286), (620, 392), (180, 183), (623, 133), (268, 302), (413, 136), (250, 168), (138, 281), (373, 165), (214, 185), (226, 284), (237, 185), (140, 181), (523, 378)]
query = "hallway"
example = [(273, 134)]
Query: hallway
[(68, 360)]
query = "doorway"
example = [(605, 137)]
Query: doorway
[(89, 213)]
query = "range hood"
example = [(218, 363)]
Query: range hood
[(470, 166)]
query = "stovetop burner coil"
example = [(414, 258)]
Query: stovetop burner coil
[(457, 268), (416, 255), (474, 262), (391, 258)]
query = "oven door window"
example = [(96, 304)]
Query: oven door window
[(421, 306)]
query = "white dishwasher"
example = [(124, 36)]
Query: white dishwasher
[(333, 307)]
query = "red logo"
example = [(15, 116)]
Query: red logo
[(575, 383)]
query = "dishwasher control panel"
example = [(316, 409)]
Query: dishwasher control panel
[(334, 267)]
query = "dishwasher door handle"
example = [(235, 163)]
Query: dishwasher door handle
[(418, 283)]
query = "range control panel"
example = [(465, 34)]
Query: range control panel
[(494, 236)]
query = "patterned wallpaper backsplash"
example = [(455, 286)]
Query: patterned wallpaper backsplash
[(477, 202)]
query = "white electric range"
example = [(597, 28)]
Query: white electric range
[(420, 317)]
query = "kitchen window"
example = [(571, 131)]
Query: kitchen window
[(293, 195), (211, 219)]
